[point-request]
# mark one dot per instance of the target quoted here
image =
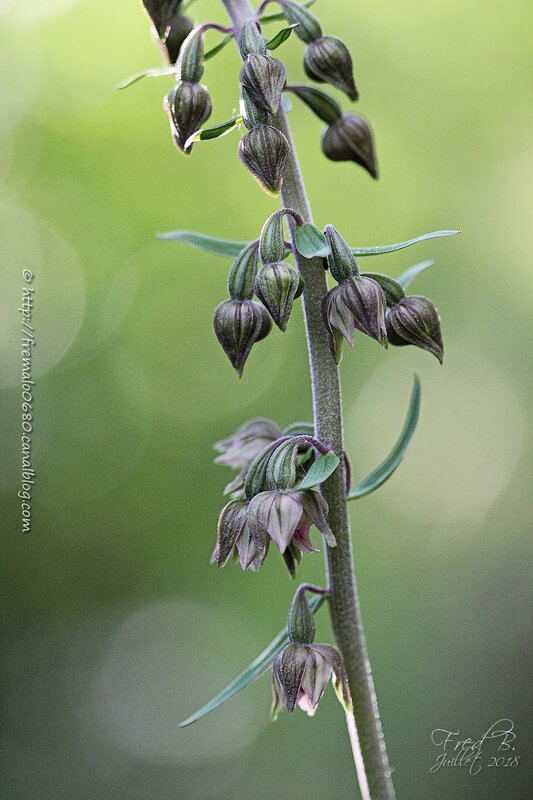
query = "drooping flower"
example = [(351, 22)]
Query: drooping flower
[(283, 517), (415, 320), (300, 674), (358, 302), (327, 60), (264, 151), (238, 325), (349, 138)]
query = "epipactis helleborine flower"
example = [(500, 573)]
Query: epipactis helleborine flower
[(300, 674), (284, 517), (356, 303), (239, 449)]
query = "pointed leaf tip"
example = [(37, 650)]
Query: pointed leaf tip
[(380, 474), (280, 37), (219, 247), (253, 671), (410, 274), (391, 248), (213, 132)]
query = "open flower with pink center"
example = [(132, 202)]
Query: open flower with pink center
[(300, 674)]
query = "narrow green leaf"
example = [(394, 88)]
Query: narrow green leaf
[(310, 241), (219, 247), (214, 132), (281, 16), (280, 37), (320, 470), (379, 475), (218, 47), (147, 73), (391, 248), (410, 274), (253, 671)]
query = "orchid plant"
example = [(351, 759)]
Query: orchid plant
[(288, 480)]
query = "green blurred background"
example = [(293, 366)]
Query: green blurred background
[(116, 626)]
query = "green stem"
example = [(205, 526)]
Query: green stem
[(365, 728)]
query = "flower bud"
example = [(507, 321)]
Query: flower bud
[(277, 285), (180, 28), (238, 325), (415, 320), (263, 78), (251, 114), (301, 623), (188, 106), (251, 40), (264, 152), (350, 139), (272, 246), (191, 60), (309, 28), (356, 303), (242, 273), (341, 260), (327, 60)]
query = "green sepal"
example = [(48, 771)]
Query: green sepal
[(321, 103), (393, 290), (190, 65), (280, 37), (410, 274), (310, 241), (320, 470), (214, 131), (380, 474), (301, 622), (391, 248), (252, 671), (242, 274), (272, 241)]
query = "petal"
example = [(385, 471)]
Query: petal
[(305, 704), (340, 681), (246, 548), (258, 512), (316, 509), (302, 541), (289, 667), (340, 315), (316, 675), (230, 524), (283, 517)]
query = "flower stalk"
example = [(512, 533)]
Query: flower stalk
[(373, 770)]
